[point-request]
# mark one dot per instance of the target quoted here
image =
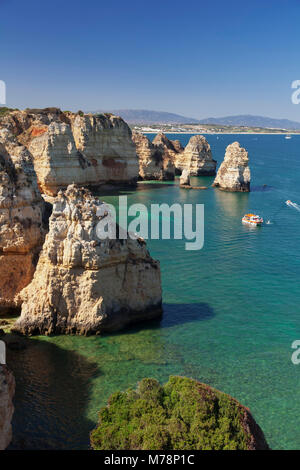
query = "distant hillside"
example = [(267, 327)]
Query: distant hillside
[(253, 121), (142, 116)]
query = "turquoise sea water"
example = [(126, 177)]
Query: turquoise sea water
[(231, 313)]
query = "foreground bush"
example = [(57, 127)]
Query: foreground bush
[(182, 414)]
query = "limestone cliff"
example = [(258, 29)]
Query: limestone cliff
[(7, 390), (234, 172), (75, 148), (196, 158), (154, 162), (21, 220), (86, 285)]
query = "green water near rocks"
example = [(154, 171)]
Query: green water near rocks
[(231, 312)]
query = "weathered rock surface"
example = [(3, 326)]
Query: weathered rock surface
[(71, 148), (184, 178), (21, 220), (197, 158), (86, 285), (155, 163), (7, 390), (234, 172)]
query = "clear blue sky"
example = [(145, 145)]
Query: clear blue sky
[(196, 58)]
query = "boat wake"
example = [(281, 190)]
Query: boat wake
[(293, 204)]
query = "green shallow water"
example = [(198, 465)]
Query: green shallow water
[(231, 312)]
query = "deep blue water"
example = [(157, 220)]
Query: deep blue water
[(231, 313)]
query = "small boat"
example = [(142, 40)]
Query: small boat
[(252, 219), (288, 137)]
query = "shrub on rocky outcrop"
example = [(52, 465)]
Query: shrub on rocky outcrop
[(182, 414)]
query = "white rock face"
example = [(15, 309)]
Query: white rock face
[(185, 178), (21, 220), (234, 172), (86, 285), (7, 390), (197, 158)]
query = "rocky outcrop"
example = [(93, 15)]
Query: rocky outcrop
[(234, 172), (155, 163), (182, 414), (184, 178), (197, 158), (7, 390), (86, 285), (77, 148), (21, 220)]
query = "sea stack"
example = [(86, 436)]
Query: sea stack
[(197, 158), (7, 391), (154, 162), (234, 172), (86, 285), (184, 178), (21, 220)]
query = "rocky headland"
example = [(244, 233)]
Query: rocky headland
[(7, 390), (85, 285), (79, 148), (234, 172)]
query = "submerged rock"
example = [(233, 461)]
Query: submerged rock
[(183, 414), (86, 285), (197, 158), (7, 390), (77, 148), (234, 172), (21, 220)]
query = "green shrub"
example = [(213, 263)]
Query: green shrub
[(182, 414)]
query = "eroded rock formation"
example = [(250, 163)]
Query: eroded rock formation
[(21, 220), (234, 172), (77, 148), (7, 390), (184, 178), (197, 158), (154, 161), (86, 285)]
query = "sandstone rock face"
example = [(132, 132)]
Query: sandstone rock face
[(184, 178), (86, 285), (234, 172), (21, 220), (197, 158), (154, 162), (7, 390), (71, 148)]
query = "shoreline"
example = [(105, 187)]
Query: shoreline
[(224, 133)]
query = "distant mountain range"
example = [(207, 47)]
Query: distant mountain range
[(143, 116)]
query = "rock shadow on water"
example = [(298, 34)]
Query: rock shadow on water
[(173, 315), (52, 393), (261, 189)]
